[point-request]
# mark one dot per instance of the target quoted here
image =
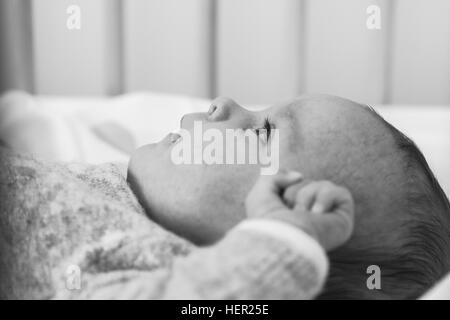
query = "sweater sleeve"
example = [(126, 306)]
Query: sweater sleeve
[(258, 259)]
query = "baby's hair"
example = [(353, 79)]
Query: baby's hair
[(421, 258)]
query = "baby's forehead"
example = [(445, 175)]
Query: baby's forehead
[(335, 121), (288, 113), (314, 104), (321, 109), (315, 112)]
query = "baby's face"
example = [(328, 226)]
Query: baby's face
[(319, 136)]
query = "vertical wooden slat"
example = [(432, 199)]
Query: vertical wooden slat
[(75, 61), (259, 49), (344, 57), (16, 67), (167, 46), (212, 44), (115, 44), (389, 23), (421, 53)]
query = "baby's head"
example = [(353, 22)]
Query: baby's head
[(402, 216), (407, 234)]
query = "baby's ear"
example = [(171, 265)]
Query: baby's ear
[(290, 193)]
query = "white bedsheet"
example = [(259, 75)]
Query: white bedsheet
[(148, 117)]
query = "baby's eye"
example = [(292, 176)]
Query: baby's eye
[(265, 129)]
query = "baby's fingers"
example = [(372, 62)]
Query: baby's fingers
[(322, 196), (332, 229), (330, 210), (274, 184), (330, 197), (266, 193), (306, 196)]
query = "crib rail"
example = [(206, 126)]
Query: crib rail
[(258, 51)]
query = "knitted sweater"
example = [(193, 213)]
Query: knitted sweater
[(77, 231)]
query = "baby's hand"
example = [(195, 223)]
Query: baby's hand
[(320, 208)]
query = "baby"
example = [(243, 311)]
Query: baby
[(402, 216), (254, 237), (86, 219)]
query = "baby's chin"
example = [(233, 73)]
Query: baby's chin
[(148, 163), (141, 154), (138, 159)]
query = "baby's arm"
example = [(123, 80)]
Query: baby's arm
[(248, 263), (273, 255)]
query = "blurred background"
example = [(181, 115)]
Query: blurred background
[(134, 67), (256, 51)]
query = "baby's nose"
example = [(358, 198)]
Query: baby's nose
[(223, 108)]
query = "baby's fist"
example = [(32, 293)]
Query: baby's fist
[(329, 208), (320, 208)]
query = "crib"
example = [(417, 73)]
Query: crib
[(130, 60)]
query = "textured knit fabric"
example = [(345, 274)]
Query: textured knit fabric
[(56, 216)]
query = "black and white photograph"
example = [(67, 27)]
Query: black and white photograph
[(224, 150)]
